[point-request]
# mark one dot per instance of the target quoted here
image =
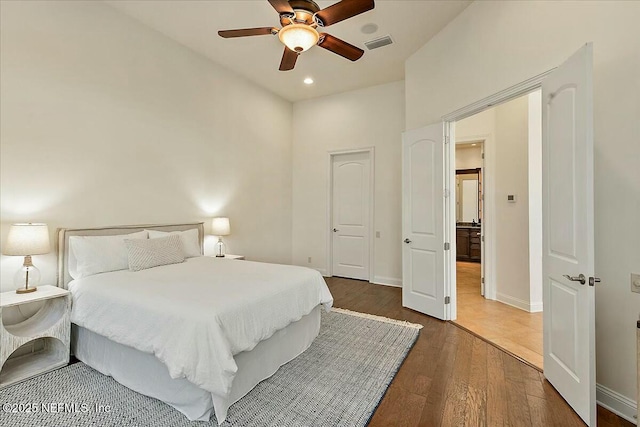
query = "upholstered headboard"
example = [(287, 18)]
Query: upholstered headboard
[(64, 233)]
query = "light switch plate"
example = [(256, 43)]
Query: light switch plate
[(635, 283)]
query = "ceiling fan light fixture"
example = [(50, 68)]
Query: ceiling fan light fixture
[(298, 37)]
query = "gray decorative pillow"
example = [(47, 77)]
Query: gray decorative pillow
[(149, 253)]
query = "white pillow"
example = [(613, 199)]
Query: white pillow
[(149, 253), (189, 239), (99, 254)]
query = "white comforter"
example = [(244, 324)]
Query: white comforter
[(196, 315)]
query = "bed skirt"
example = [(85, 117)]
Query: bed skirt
[(145, 374)]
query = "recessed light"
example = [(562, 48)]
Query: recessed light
[(473, 145), (308, 81)]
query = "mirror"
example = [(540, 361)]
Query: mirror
[(469, 195), (469, 200), (469, 160)]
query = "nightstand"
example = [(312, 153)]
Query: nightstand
[(50, 326), (229, 256)]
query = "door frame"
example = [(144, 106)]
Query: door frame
[(449, 120), (371, 151), (487, 263)]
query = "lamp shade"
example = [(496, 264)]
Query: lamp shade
[(220, 226), (298, 37), (27, 239)]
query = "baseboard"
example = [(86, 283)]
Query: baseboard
[(518, 303), (535, 307), (617, 403), (513, 302), (377, 280), (388, 281), (321, 271)]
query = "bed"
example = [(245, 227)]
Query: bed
[(198, 335)]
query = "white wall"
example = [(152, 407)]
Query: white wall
[(477, 127), (492, 45), (107, 122), (468, 157), (372, 117), (506, 229), (512, 219)]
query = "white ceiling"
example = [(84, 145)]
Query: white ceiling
[(195, 23)]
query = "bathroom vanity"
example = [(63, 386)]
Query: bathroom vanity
[(468, 243)]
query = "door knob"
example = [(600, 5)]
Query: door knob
[(593, 280), (407, 241), (580, 278), (335, 230)]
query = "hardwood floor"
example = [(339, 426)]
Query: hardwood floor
[(508, 327), (452, 378)]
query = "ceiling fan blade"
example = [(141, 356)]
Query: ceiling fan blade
[(340, 47), (289, 59), (344, 10), (244, 32), (281, 6)]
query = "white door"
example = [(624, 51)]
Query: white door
[(422, 220), (482, 209), (567, 223), (351, 184)]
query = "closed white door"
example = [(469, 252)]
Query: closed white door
[(422, 220), (568, 260), (350, 228)]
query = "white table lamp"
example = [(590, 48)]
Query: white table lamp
[(26, 240), (220, 227)]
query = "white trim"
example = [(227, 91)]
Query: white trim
[(535, 307), (534, 189), (388, 281), (489, 219), (449, 221), (372, 173), (474, 138), (518, 303), (449, 120), (501, 97), (488, 264), (378, 318), (617, 403)]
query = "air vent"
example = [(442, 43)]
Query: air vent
[(379, 42)]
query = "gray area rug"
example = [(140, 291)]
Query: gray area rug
[(338, 381)]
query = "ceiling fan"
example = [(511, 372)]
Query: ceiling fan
[(300, 20)]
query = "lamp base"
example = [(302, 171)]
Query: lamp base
[(220, 248), (27, 278)]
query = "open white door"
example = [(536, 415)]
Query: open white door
[(567, 205), (422, 220)]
